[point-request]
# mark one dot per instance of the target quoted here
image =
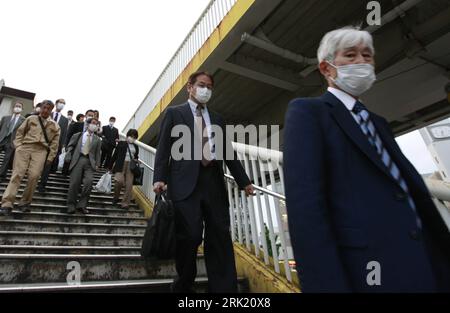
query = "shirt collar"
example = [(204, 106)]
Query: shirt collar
[(194, 105), (344, 97)]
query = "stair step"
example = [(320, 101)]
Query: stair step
[(57, 189), (141, 285), (55, 208), (95, 196), (109, 211), (38, 198), (64, 227), (68, 239), (72, 250), (79, 218), (52, 268)]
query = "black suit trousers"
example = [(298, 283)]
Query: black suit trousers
[(205, 211), (8, 157)]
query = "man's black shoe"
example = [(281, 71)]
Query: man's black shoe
[(42, 189), (5, 212), (115, 201), (84, 210)]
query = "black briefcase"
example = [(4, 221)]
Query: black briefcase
[(159, 238), (138, 180)]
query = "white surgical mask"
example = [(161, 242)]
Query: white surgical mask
[(93, 127), (355, 79), (69, 117), (131, 139), (17, 110), (111, 124), (38, 110), (203, 95), (60, 106)]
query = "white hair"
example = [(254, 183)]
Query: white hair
[(341, 39)]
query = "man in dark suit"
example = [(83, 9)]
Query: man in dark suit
[(63, 123), (78, 127), (110, 137), (83, 153), (360, 216), (196, 186), (8, 128)]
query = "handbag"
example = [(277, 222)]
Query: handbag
[(139, 180), (160, 239), (134, 165)]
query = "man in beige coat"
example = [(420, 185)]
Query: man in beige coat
[(36, 143)]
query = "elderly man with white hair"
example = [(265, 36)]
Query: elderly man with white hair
[(360, 216)]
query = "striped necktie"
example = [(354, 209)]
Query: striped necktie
[(368, 128)]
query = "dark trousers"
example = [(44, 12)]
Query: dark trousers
[(205, 209), (81, 173), (47, 170), (8, 158), (106, 155)]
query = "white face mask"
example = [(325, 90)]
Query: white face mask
[(111, 124), (38, 110), (93, 127), (17, 110), (203, 95), (355, 79), (131, 139), (69, 117), (60, 106)]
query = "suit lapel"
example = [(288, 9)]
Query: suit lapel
[(351, 128), (188, 118)]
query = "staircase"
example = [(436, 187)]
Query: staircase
[(37, 247)]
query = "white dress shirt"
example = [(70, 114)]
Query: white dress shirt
[(346, 99), (59, 116), (207, 119), (85, 136)]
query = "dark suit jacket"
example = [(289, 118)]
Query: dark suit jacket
[(118, 158), (109, 137), (4, 127), (74, 151), (75, 128), (345, 210), (181, 175), (63, 124)]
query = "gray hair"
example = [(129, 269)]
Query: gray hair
[(341, 39)]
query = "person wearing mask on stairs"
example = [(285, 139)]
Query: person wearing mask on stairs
[(120, 166), (63, 123), (36, 143), (110, 137), (8, 128), (83, 151)]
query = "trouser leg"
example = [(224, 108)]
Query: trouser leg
[(218, 246), (7, 159), (119, 182), (37, 161), (88, 176), (20, 166), (128, 185), (189, 229), (74, 185)]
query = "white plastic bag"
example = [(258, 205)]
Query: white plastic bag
[(104, 184), (61, 158)]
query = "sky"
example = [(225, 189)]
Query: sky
[(106, 54), (99, 54)]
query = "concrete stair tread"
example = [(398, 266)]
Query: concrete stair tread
[(112, 217), (64, 207), (93, 285), (71, 224), (21, 233), (62, 248), (73, 257)]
